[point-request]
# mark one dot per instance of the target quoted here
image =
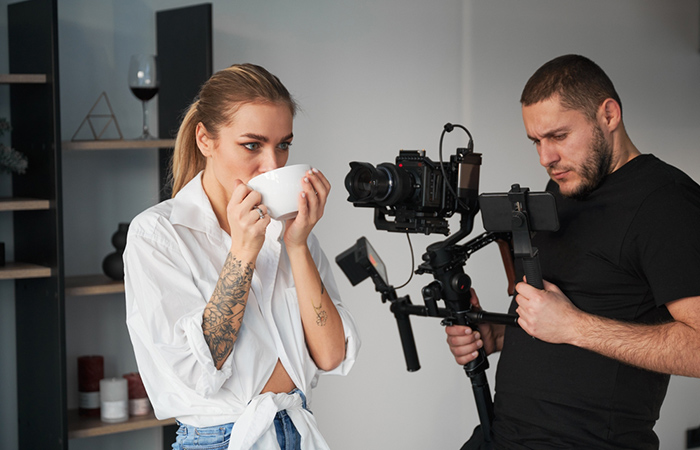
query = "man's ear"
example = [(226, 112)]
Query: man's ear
[(204, 142), (610, 114)]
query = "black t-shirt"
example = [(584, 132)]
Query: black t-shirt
[(624, 252)]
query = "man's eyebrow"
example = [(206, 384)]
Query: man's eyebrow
[(550, 134)]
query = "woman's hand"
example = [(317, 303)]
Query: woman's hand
[(246, 226), (312, 202)]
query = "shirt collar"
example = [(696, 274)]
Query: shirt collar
[(192, 208)]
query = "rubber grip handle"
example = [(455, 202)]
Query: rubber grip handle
[(407, 342), (533, 272)]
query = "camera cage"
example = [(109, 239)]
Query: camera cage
[(419, 193)]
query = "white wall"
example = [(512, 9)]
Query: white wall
[(372, 78), (648, 48)]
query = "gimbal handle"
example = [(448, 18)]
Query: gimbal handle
[(522, 242), (408, 342)]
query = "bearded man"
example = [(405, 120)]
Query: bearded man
[(589, 365)]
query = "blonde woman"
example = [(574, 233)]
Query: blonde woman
[(234, 315)]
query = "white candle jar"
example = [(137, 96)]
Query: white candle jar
[(114, 400)]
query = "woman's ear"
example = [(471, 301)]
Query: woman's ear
[(204, 142)]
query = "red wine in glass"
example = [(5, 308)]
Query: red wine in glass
[(144, 83), (144, 93)]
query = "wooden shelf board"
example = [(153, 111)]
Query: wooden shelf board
[(117, 144), (92, 285), (15, 270), (18, 78), (82, 427), (22, 204)]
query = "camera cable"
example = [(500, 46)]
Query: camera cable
[(470, 148)]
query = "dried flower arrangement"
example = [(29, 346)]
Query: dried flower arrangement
[(11, 160)]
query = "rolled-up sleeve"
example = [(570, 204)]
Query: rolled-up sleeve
[(164, 313), (352, 336)]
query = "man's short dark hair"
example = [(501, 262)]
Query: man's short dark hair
[(581, 84)]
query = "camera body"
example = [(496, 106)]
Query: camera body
[(420, 193)]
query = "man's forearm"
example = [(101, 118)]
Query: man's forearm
[(672, 347)]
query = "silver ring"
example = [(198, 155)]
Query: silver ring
[(260, 212)]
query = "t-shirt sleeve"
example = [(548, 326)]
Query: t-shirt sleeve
[(665, 241)]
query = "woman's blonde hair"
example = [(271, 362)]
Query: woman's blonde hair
[(215, 106)]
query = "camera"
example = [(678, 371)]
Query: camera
[(418, 192), (421, 195)]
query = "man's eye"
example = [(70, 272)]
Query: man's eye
[(252, 145), (559, 137)]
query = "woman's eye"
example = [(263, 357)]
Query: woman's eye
[(252, 145), (284, 145)]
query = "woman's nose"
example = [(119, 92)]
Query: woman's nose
[(270, 162)]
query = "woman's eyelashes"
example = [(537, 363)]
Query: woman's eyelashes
[(255, 146), (252, 146)]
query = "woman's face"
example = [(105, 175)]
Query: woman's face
[(257, 141)]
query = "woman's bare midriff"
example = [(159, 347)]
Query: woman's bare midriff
[(280, 381)]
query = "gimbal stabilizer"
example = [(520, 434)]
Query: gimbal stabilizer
[(507, 219)]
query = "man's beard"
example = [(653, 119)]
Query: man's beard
[(595, 168)]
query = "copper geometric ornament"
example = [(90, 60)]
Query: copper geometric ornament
[(97, 122)]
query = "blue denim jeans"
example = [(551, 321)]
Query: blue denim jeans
[(218, 436)]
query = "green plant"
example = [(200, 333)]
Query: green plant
[(10, 159)]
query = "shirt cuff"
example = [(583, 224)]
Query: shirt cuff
[(210, 379), (352, 346)]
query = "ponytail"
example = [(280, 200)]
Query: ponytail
[(188, 161)]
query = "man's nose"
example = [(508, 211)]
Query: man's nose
[(548, 154)]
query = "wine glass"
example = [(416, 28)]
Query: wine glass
[(144, 83)]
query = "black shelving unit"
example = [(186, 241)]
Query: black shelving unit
[(184, 42), (177, 49), (38, 236)]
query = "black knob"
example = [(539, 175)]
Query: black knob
[(461, 283)]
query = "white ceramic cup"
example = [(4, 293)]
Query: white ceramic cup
[(280, 190)]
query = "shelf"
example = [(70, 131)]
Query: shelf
[(20, 78), (15, 270), (118, 144), (82, 427), (23, 204), (92, 285)]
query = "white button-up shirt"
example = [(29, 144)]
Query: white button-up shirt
[(174, 254)]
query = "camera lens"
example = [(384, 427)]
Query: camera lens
[(359, 181), (385, 185)]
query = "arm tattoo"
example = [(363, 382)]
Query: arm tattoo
[(321, 314), (223, 315)]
